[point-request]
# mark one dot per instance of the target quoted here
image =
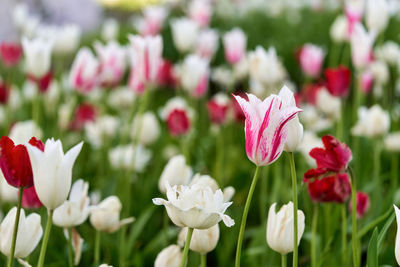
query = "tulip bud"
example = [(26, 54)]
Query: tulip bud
[(338, 30), (200, 11), (178, 116), (184, 34), (22, 131), (362, 204), (101, 130), (280, 228), (10, 53), (361, 46), (377, 15), (193, 75), (392, 142), (112, 63), (128, 157), (28, 236), (52, 171), (37, 56), (152, 21), (176, 172), (83, 75), (203, 241), (170, 256), (235, 42), (109, 29), (372, 122), (105, 216), (207, 43), (311, 58), (218, 108), (8, 193), (145, 128)]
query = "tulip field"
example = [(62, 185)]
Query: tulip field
[(200, 133)]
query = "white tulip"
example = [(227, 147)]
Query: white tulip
[(328, 104), (207, 43), (361, 46), (170, 256), (392, 142), (101, 130), (128, 157), (75, 210), (8, 193), (208, 181), (280, 228), (121, 98), (372, 122), (223, 76), (105, 216), (21, 132), (105, 265), (377, 15), (397, 246), (66, 37), (338, 30), (184, 33), (193, 73), (235, 42), (195, 206), (310, 141), (380, 72), (28, 236), (176, 172), (203, 241), (52, 171), (313, 120), (145, 128), (109, 29), (37, 56), (388, 52)]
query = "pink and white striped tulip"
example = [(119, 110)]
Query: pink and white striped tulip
[(200, 11), (152, 21), (146, 61), (112, 63), (207, 43), (83, 76), (235, 42), (361, 46), (311, 58), (354, 10), (193, 75), (266, 125)]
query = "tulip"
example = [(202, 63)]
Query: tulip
[(377, 15), (310, 140), (101, 130), (10, 53), (266, 125), (148, 131), (37, 56), (30, 199), (372, 122), (361, 46), (388, 52), (193, 75), (67, 38), (311, 58), (338, 81), (207, 43), (4, 92), (354, 11), (397, 246), (52, 171), (380, 72), (178, 116), (128, 157), (328, 104), (109, 29), (184, 34), (83, 76), (195, 206), (15, 163), (111, 63), (235, 42), (22, 131), (176, 172), (105, 216), (223, 76), (332, 188), (29, 233), (218, 108), (203, 241), (170, 256), (166, 75), (207, 181), (84, 114), (200, 11), (338, 30), (74, 211), (152, 21), (362, 204), (366, 82), (280, 228), (146, 61), (121, 98), (8, 193), (392, 142)]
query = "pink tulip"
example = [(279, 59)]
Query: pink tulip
[(152, 21), (266, 125), (362, 204), (83, 76), (367, 80), (354, 12), (146, 61), (200, 11), (112, 63), (235, 42), (311, 58)]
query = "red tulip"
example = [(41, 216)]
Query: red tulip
[(4, 92), (15, 163), (217, 108), (178, 122), (338, 81), (334, 157), (310, 92), (10, 53), (237, 110), (362, 200), (43, 83), (84, 113), (334, 188), (166, 76), (30, 199)]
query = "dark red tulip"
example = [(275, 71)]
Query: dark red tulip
[(15, 163), (10, 53), (310, 92), (217, 111), (166, 76), (334, 188), (237, 110), (362, 200), (84, 113), (30, 199), (338, 81), (178, 122), (4, 92), (42, 83), (334, 157)]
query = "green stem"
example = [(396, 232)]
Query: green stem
[(45, 238), (284, 260), (314, 225), (354, 217), (244, 216), (374, 223), (294, 185), (70, 254), (97, 248), (15, 232), (203, 260), (187, 245), (395, 169), (344, 234)]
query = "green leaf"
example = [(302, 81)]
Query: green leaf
[(385, 229), (372, 254), (138, 226)]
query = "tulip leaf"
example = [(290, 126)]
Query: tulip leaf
[(138, 226), (385, 229), (372, 254)]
